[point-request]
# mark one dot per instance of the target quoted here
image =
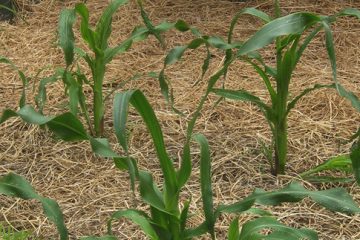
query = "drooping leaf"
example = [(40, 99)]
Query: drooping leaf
[(252, 231), (66, 34), (336, 199), (137, 217), (68, 127), (16, 186)]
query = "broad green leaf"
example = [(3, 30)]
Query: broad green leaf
[(205, 179), (355, 160), (7, 113), (16, 186), (66, 34), (103, 27), (67, 127), (182, 26), (29, 115), (341, 162), (138, 218), (241, 95), (234, 232), (291, 24), (150, 193), (252, 230), (336, 199), (138, 100)]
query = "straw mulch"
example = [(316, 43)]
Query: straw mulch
[(89, 188)]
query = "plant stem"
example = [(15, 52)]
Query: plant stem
[(98, 77), (280, 146)]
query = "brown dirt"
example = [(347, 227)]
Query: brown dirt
[(89, 188)]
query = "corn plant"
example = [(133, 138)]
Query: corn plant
[(286, 32), (168, 221)]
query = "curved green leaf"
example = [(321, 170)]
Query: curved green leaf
[(139, 101), (252, 231), (137, 217), (291, 24), (16, 186), (66, 34)]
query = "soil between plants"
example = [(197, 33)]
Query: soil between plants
[(89, 188)]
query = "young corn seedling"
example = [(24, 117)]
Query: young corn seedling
[(168, 221), (99, 55), (287, 33)]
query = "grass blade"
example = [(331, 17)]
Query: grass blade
[(234, 233)]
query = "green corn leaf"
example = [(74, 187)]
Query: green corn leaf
[(86, 33), (241, 95), (137, 217), (293, 102), (336, 199), (175, 54), (22, 76), (29, 115), (291, 24), (234, 232), (16, 186), (7, 113), (205, 179), (150, 192), (184, 215), (341, 162), (110, 53), (68, 127), (152, 30), (66, 34), (250, 11), (195, 232), (40, 98), (355, 160), (65, 126), (252, 231), (138, 100), (331, 53), (182, 26), (103, 27)]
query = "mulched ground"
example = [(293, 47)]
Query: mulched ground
[(89, 188)]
